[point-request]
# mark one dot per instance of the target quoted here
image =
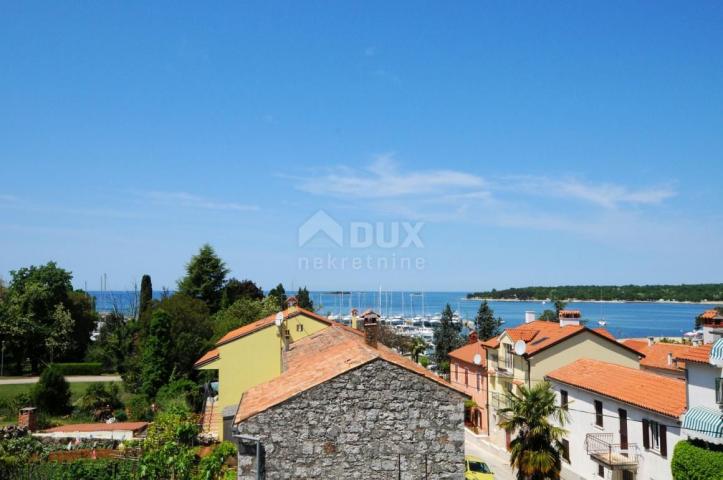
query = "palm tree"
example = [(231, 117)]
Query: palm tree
[(419, 346), (536, 451)]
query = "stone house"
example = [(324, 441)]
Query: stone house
[(347, 407)]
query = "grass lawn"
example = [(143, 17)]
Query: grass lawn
[(7, 392)]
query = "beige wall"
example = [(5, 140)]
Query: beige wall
[(583, 345)]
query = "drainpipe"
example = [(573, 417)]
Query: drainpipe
[(529, 373), (257, 441)]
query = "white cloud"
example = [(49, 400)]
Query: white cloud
[(189, 200), (383, 179)]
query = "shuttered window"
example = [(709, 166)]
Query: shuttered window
[(563, 399), (663, 440), (598, 413), (646, 434)]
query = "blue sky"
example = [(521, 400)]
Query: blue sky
[(528, 142)]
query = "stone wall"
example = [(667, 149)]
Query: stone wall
[(368, 423)]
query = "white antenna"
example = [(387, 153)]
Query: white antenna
[(520, 347), (279, 319), (477, 359)]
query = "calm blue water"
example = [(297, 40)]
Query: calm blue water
[(623, 319)]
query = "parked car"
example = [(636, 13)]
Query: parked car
[(476, 469)]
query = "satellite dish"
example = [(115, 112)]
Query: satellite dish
[(279, 319), (477, 359), (520, 347)]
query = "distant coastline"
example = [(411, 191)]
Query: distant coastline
[(580, 300)]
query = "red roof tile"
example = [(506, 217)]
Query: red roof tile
[(467, 353), (643, 389), (699, 354), (318, 358), (207, 357), (98, 427), (656, 355), (605, 332)]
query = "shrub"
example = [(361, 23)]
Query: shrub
[(212, 467), (138, 408), (424, 361), (99, 400), (82, 469), (52, 393), (179, 393), (696, 460), (86, 368), (167, 451)]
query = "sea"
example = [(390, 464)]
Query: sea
[(622, 319)]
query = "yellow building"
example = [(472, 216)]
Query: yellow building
[(248, 356), (523, 355)]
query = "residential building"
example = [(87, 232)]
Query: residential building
[(468, 371), (703, 365), (660, 357), (712, 325), (348, 407), (623, 422), (523, 355), (105, 431), (248, 356)]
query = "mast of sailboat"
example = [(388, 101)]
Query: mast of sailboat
[(380, 300)]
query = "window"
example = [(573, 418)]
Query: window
[(566, 450), (466, 377), (601, 471), (598, 413), (479, 377), (563, 399), (628, 475), (719, 390), (299, 327), (456, 371), (508, 357), (654, 434)]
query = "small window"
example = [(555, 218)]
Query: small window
[(299, 327), (601, 471), (598, 413), (479, 378), (654, 434), (456, 371), (563, 399), (719, 390), (566, 450), (508, 357), (466, 377)]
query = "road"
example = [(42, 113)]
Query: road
[(69, 378), (473, 445)]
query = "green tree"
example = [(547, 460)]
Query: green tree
[(485, 322), (279, 293), (304, 299), (549, 316), (536, 450), (52, 392), (205, 278), (81, 306), (59, 339), (100, 401), (236, 289), (168, 448), (447, 337), (244, 311), (146, 295), (114, 344), (156, 369), (419, 346), (559, 306), (191, 329)]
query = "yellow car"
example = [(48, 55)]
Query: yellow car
[(476, 469)]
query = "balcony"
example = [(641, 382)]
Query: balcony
[(602, 448)]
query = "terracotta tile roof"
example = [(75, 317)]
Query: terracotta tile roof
[(656, 393), (207, 357), (605, 332), (318, 358), (709, 314), (656, 355), (267, 321), (696, 354), (98, 427), (493, 342), (467, 353)]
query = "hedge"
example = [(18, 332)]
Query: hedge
[(87, 368), (696, 460), (77, 470)]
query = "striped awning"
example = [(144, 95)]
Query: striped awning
[(716, 353), (702, 422)]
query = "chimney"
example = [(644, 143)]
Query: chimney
[(472, 337), (28, 418), (569, 317), (291, 302), (651, 341), (529, 317), (371, 327), (670, 358), (354, 318)]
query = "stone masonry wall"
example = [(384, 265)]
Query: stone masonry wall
[(368, 423)]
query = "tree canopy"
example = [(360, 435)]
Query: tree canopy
[(486, 324), (447, 337), (304, 299), (682, 293), (205, 278), (236, 289)]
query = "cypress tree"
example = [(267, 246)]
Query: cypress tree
[(447, 337), (304, 299), (279, 293), (485, 322), (146, 295), (205, 278)]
